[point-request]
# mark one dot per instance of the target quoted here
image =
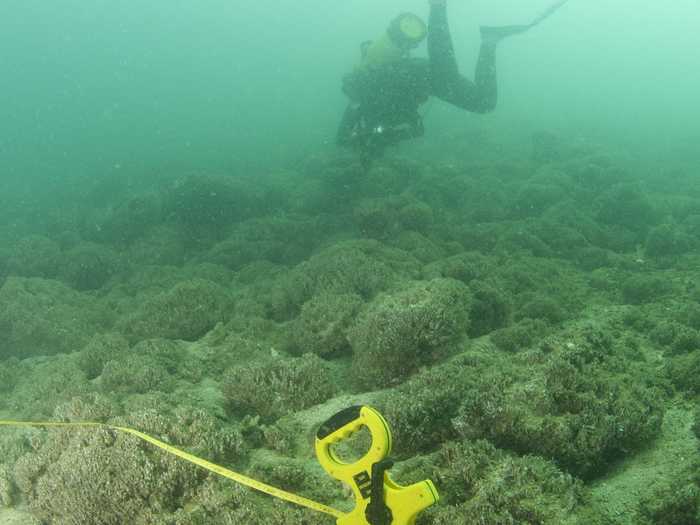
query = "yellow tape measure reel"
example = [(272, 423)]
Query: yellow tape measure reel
[(378, 499)]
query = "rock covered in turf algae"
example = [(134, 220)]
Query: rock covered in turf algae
[(363, 267), (684, 372), (99, 350), (625, 205), (149, 366), (207, 200), (645, 288), (124, 222), (668, 240), (582, 408), (484, 485), (578, 403), (89, 266), (34, 256), (466, 267), (96, 476), (187, 311), (9, 370), (275, 387), (675, 500), (7, 488), (322, 326), (403, 330), (42, 317), (43, 383)]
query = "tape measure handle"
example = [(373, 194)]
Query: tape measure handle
[(338, 421), (377, 512)]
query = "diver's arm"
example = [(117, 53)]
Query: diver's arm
[(447, 83)]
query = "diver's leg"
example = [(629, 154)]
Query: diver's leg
[(446, 82), (443, 64), (486, 78), (481, 95)]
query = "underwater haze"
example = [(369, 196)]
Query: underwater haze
[(97, 86), (186, 251)]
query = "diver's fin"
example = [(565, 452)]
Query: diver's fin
[(494, 34), (548, 12)]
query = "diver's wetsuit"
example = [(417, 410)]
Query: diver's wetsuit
[(385, 99)]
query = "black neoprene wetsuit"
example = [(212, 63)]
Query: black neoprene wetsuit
[(385, 99)]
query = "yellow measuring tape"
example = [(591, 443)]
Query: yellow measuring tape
[(235, 476), (379, 500)]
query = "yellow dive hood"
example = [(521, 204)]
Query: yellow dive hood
[(405, 32)]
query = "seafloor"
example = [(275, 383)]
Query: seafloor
[(530, 328)]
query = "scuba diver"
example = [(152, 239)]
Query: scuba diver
[(389, 85)]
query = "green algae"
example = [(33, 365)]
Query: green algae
[(533, 347)]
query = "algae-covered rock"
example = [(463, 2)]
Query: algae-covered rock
[(7, 488), (684, 372), (348, 267), (42, 317), (543, 307), (351, 267), (161, 245), (625, 205), (187, 311), (125, 221), (643, 288), (591, 258), (481, 484), (9, 369), (519, 336), (376, 218), (465, 267), (275, 387), (41, 384), (667, 240), (322, 325), (416, 215), (298, 476), (418, 245), (491, 309), (676, 338), (284, 240), (533, 199), (403, 330), (89, 266), (220, 502), (135, 374), (676, 501), (207, 200), (34, 256), (96, 475), (577, 404), (420, 410), (149, 366), (236, 252)]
